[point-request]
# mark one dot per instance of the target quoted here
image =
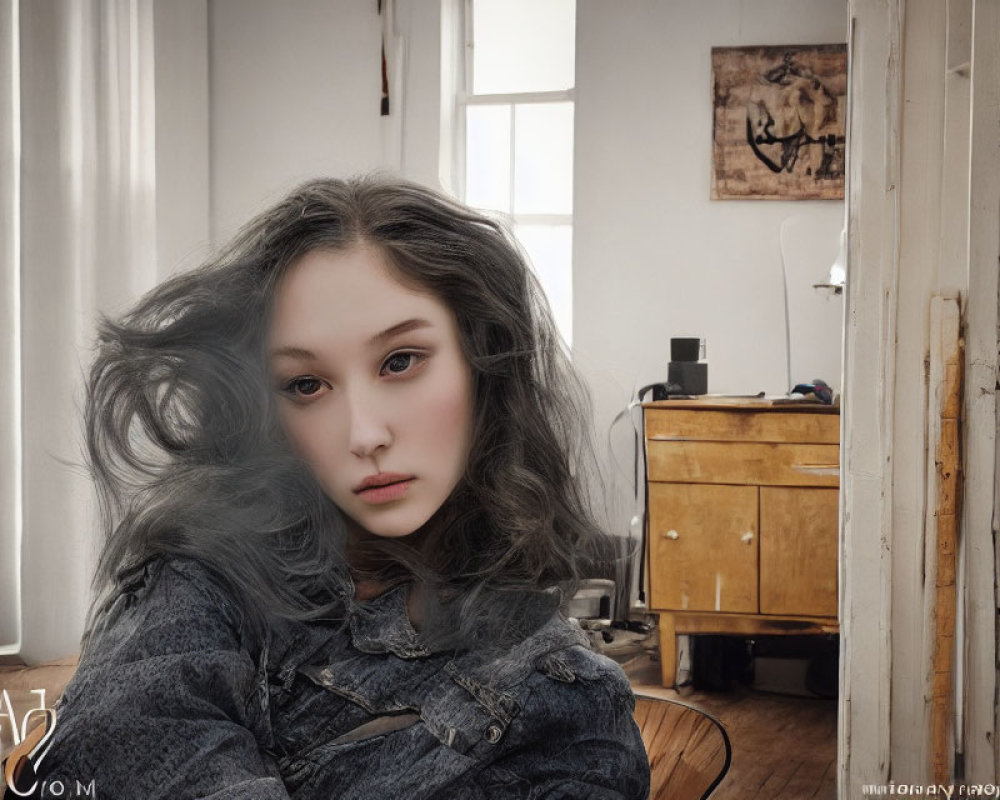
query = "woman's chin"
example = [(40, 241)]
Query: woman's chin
[(392, 533), (386, 528)]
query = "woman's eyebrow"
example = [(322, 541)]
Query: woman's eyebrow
[(292, 352), (403, 327)]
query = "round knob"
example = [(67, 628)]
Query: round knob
[(672, 535), (747, 537)]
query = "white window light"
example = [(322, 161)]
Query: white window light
[(517, 115)]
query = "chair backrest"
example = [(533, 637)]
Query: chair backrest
[(689, 750)]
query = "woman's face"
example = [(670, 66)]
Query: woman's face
[(374, 391)]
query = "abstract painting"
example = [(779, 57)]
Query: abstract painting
[(779, 122)]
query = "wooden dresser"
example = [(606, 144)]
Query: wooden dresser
[(742, 519)]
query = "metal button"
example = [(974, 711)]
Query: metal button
[(493, 733)]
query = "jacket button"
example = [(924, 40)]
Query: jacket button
[(493, 733)]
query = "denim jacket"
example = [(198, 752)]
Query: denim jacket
[(169, 703)]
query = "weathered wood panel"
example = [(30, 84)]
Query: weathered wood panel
[(944, 404), (979, 555), (868, 395), (906, 208)]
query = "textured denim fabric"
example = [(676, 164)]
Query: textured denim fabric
[(168, 703)]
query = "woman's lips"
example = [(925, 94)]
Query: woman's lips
[(385, 493)]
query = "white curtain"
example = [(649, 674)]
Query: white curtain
[(78, 237)]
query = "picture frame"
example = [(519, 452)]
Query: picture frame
[(779, 122)]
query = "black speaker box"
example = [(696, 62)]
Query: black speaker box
[(691, 376)]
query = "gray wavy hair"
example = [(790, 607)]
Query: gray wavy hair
[(189, 459)]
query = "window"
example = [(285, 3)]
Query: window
[(517, 113)]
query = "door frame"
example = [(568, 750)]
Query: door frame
[(917, 229)]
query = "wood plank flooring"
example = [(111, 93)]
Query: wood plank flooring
[(783, 746)]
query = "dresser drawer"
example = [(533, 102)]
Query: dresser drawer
[(742, 426), (749, 463)]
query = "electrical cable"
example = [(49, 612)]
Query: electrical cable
[(638, 472), (784, 281)]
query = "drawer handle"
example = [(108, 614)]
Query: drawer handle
[(747, 537), (831, 470), (672, 535)]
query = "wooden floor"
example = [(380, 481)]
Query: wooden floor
[(783, 747)]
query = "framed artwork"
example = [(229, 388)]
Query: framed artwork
[(778, 128)]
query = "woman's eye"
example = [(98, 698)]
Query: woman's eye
[(303, 387), (398, 363)]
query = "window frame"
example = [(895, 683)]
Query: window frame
[(465, 97)]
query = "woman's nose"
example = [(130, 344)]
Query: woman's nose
[(368, 430)]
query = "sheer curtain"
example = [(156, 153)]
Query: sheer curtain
[(78, 237)]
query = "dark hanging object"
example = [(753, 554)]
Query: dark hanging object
[(385, 84), (385, 72)]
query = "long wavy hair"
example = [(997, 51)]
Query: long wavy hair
[(190, 460)]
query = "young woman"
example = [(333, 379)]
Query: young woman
[(341, 471)]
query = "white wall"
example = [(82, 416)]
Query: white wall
[(653, 256), (255, 96), (295, 94), (182, 116)]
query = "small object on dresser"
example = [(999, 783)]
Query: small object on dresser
[(594, 599), (688, 370), (819, 389), (687, 348)]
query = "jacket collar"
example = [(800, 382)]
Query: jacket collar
[(382, 625)]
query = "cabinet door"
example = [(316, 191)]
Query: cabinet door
[(798, 551), (703, 547)]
